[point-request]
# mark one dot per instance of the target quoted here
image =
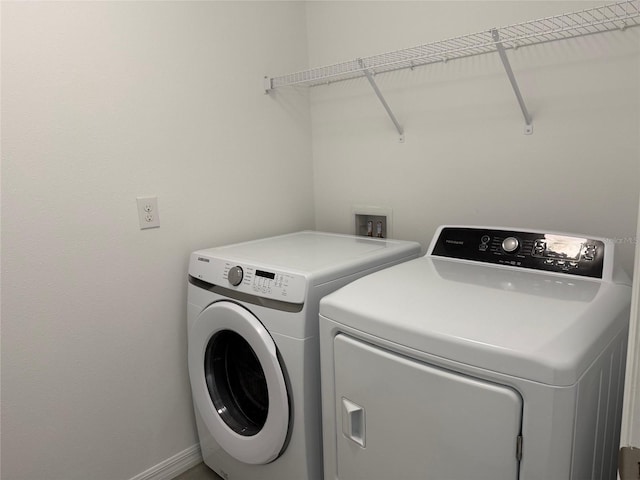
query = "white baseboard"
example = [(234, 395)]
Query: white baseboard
[(174, 466)]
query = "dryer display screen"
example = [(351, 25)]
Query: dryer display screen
[(563, 247)]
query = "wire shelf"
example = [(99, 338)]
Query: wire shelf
[(615, 16)]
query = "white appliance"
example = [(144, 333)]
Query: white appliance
[(254, 350), (499, 355)]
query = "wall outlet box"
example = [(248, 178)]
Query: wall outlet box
[(372, 221)]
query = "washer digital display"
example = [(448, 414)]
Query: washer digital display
[(262, 273)]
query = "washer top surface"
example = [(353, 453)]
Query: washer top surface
[(308, 251), (283, 267), (542, 326)]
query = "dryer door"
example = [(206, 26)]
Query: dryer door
[(400, 418), (238, 383)]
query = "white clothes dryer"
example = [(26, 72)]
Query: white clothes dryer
[(499, 355), (254, 350)]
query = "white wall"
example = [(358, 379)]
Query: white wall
[(466, 159), (102, 102), (105, 101)]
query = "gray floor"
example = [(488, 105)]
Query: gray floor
[(199, 472)]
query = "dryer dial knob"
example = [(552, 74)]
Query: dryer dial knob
[(510, 244), (235, 276)]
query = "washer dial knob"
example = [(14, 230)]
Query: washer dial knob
[(235, 276), (510, 244)]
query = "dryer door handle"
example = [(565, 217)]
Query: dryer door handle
[(353, 422)]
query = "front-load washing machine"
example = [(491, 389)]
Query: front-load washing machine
[(499, 355), (253, 346)]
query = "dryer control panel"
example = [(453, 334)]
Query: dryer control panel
[(550, 252)]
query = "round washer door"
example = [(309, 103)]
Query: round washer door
[(238, 384)]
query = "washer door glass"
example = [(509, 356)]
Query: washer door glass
[(238, 384)]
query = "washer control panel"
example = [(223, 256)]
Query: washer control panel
[(249, 279), (541, 251)]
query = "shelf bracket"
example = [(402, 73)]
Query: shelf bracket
[(267, 83), (378, 93), (528, 128)]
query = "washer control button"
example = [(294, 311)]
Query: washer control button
[(510, 244), (235, 275)]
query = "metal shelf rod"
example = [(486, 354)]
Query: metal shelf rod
[(528, 129), (384, 102)]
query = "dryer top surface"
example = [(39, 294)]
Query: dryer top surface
[(535, 325)]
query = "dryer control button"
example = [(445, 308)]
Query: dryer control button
[(235, 275), (510, 244)]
